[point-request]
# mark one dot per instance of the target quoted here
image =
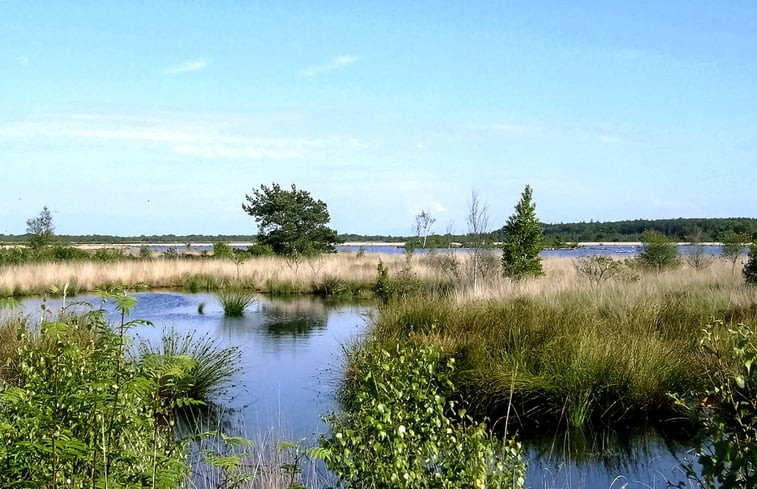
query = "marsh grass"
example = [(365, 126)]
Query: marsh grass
[(575, 353), (213, 367), (234, 301)]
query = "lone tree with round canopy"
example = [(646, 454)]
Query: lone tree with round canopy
[(523, 235), (291, 221)]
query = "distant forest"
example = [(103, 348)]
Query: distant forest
[(681, 229)]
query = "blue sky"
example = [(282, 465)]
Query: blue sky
[(157, 117)]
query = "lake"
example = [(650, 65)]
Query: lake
[(292, 361)]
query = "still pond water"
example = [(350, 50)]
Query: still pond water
[(292, 362)]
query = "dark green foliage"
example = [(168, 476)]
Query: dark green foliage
[(260, 250), (750, 269), (400, 430), (727, 444), (80, 412), (144, 252), (658, 252), (522, 242), (404, 285), (221, 249), (291, 221), (682, 229)]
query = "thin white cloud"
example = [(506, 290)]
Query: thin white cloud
[(200, 137), (23, 60), (511, 128), (191, 65), (334, 64)]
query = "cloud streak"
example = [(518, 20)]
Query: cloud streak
[(187, 66), (333, 64), (199, 137)]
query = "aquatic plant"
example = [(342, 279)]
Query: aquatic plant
[(212, 366), (234, 301)]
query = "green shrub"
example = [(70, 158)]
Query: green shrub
[(261, 250), (727, 443), (658, 253), (221, 249), (82, 413), (750, 269), (400, 431)]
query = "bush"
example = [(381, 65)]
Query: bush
[(658, 253), (400, 431), (750, 269), (727, 444), (598, 268), (221, 249), (261, 250), (80, 412)]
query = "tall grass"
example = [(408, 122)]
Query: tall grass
[(574, 354), (213, 365), (235, 301)]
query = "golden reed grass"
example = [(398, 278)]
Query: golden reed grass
[(264, 273)]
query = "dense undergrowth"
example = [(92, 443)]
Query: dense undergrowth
[(78, 409)]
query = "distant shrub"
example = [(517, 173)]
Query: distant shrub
[(221, 249), (597, 269), (261, 250), (404, 285), (144, 252), (658, 253), (171, 253), (108, 255), (750, 269)]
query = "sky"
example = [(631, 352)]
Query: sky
[(138, 117)]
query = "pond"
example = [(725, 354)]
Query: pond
[(292, 362)]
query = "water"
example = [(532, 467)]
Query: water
[(617, 250), (292, 363)]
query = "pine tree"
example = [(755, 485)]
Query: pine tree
[(523, 235)]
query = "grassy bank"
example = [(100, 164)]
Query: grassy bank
[(570, 352), (334, 274)]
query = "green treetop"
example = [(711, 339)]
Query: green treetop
[(291, 221)]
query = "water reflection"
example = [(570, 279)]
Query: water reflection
[(639, 459)]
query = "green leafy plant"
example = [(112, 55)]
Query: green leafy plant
[(400, 431), (727, 443), (658, 252), (81, 412)]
